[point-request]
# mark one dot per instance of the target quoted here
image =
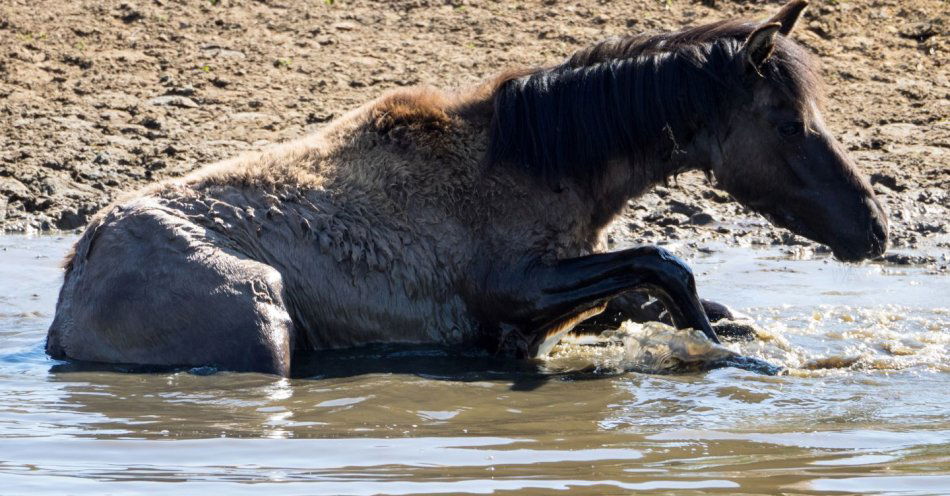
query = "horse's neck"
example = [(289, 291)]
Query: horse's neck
[(559, 222), (560, 128), (621, 182)]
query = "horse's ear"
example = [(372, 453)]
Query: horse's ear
[(789, 15), (759, 45)]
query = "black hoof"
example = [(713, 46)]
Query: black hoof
[(717, 311), (732, 330), (751, 364)]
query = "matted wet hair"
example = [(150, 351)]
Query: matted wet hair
[(638, 97)]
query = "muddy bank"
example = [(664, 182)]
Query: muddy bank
[(103, 97)]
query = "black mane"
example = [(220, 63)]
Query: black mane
[(640, 97)]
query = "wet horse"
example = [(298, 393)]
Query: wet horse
[(470, 219)]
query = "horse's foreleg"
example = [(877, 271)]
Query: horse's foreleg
[(641, 307), (596, 278), (554, 296)]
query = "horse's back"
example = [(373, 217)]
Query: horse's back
[(336, 240)]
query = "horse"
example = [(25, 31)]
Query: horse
[(468, 219)]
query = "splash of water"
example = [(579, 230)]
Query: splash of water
[(651, 348), (885, 339), (828, 340)]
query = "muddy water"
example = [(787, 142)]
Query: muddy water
[(864, 407)]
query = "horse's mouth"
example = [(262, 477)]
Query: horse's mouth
[(841, 251)]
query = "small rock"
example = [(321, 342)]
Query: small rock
[(921, 31), (701, 219), (887, 180), (174, 101), (151, 123), (55, 186), (187, 90), (102, 158), (13, 189), (905, 259), (716, 196), (129, 15), (251, 117), (316, 118), (70, 219), (344, 26), (789, 239), (80, 62), (682, 207), (216, 51), (900, 130), (928, 228), (672, 220)]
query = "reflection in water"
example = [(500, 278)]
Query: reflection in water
[(863, 408), (905, 485)]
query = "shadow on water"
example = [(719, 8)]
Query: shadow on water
[(428, 362), (451, 365), (421, 361), (434, 363)]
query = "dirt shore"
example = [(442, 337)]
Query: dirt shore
[(102, 97)]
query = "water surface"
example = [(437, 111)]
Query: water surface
[(863, 408)]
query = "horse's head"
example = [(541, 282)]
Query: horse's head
[(776, 156)]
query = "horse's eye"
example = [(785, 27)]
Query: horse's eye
[(790, 128)]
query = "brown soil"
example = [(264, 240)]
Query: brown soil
[(98, 97)]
